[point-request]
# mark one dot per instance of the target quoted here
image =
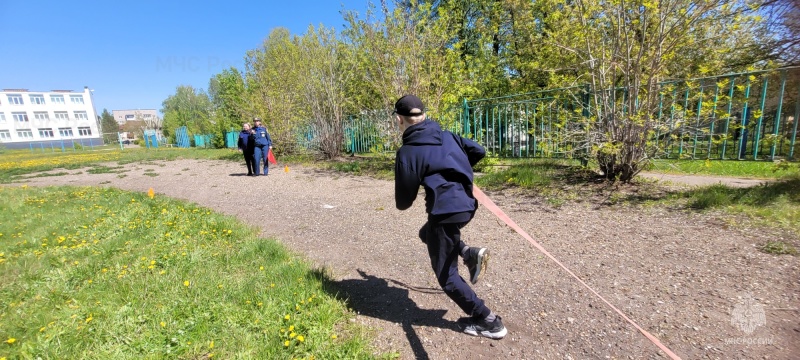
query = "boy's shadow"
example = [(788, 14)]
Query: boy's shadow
[(372, 296)]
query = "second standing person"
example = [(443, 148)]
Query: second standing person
[(247, 147), (262, 145)]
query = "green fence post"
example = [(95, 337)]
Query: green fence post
[(728, 118), (796, 120), (683, 123), (757, 136), (778, 115), (742, 138), (465, 118), (713, 119), (697, 122)]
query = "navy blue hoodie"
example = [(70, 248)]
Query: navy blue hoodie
[(246, 141), (442, 163)]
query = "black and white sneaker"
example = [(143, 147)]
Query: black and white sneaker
[(476, 261), (480, 327)]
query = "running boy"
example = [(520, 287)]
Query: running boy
[(442, 163)]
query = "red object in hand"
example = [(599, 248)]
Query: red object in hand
[(271, 157)]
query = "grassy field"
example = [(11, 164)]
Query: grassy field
[(96, 273)]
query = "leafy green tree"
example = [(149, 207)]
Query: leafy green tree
[(624, 50), (274, 81), (188, 107), (110, 127), (227, 93)]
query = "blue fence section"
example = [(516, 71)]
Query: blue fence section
[(203, 140), (150, 139), (182, 137), (231, 139)]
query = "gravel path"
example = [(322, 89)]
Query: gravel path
[(678, 275)]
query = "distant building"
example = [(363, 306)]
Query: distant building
[(48, 118), (123, 116), (133, 122)]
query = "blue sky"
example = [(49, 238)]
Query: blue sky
[(134, 53)]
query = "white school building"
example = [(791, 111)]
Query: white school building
[(48, 118)]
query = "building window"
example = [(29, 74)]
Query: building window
[(65, 132), (2, 117), (85, 131), (5, 135), (81, 115), (129, 117), (15, 99), (41, 115), (37, 99), (20, 117), (57, 99), (147, 116), (46, 133), (76, 99), (62, 115), (25, 134)]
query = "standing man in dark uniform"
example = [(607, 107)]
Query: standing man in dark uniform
[(262, 145), (247, 146)]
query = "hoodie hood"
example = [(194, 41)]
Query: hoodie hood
[(427, 132)]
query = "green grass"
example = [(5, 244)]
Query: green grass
[(542, 176), (379, 166), (14, 163), (100, 169), (774, 204), (731, 168), (99, 273)]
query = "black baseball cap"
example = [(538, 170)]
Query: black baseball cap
[(409, 105)]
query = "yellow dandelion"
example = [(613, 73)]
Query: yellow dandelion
[(286, 343), (300, 338), (11, 340), (42, 329), (211, 344), (291, 328), (219, 286), (90, 318), (271, 285), (291, 335), (163, 324), (151, 193), (186, 283), (287, 317), (261, 268), (333, 336), (210, 355)]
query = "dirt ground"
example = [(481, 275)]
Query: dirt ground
[(686, 278)]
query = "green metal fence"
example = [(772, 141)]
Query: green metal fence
[(746, 116), (750, 115)]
